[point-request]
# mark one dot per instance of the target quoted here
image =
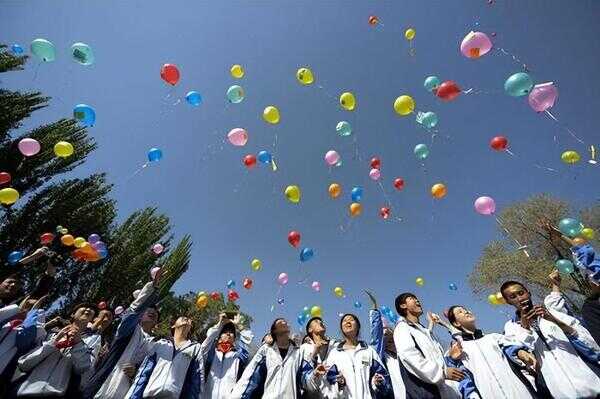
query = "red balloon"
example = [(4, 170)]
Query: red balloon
[(5, 177), (102, 305), (375, 163), (499, 143), (46, 238), (384, 212), (247, 283), (448, 91), (373, 20), (294, 239), (233, 296), (399, 184), (215, 296), (250, 161), (170, 74)]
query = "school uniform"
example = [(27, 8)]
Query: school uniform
[(316, 388), (18, 337)]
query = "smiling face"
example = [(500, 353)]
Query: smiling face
[(463, 318), (412, 306), (349, 326), (316, 327), (517, 296), (281, 329)]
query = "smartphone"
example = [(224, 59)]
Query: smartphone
[(527, 306)]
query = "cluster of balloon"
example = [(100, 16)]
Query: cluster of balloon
[(201, 300), (238, 137), (452, 287), (564, 266), (247, 283), (496, 299), (448, 91), (237, 71), (303, 316), (170, 74), (43, 49), (343, 128), (570, 157), (84, 114), (375, 172), (316, 286), (306, 254), (14, 257), (438, 191), (421, 151), (235, 94), (8, 196), (428, 119), (475, 45), (334, 190), (82, 54), (90, 250), (485, 206), (292, 193), (256, 264), (232, 295), (271, 115), (348, 101), (356, 196), (432, 83), (193, 98), (420, 281), (332, 158), (63, 149), (294, 238), (154, 155), (305, 76), (17, 49), (570, 227), (404, 105), (339, 292)]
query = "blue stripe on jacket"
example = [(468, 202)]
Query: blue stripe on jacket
[(143, 377)]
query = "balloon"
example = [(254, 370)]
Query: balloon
[(338, 291), (543, 96), (79, 242), (475, 45), (355, 209), (499, 143), (588, 233), (119, 309), (271, 114), (493, 300), (399, 183), (93, 238), (438, 191), (233, 296), (256, 264), (357, 305), (564, 266), (235, 94), (282, 279), (301, 319), (158, 248), (154, 155), (247, 283), (570, 227), (500, 299), (332, 157), (448, 91), (5, 177), (280, 301), (570, 157), (306, 254), (8, 196), (230, 284), (375, 163), (356, 194), (153, 272), (334, 190), (14, 257), (420, 281), (577, 241), (373, 20), (215, 296), (347, 101), (421, 151), (315, 311), (410, 34), (82, 54), (250, 161), (384, 212), (485, 205), (518, 85), (343, 128), (99, 246), (452, 287), (170, 74), (237, 71), (193, 98), (63, 149), (428, 119), (201, 302), (432, 83), (305, 76), (265, 157), (67, 240), (292, 193), (43, 49), (238, 137), (375, 174), (17, 49), (316, 286), (85, 114), (29, 147), (46, 238), (294, 238), (102, 305), (404, 105)]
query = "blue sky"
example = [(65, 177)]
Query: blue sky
[(235, 215)]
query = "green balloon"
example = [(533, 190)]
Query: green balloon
[(519, 84), (235, 94), (43, 49), (82, 54), (343, 128), (432, 83), (427, 119), (421, 151)]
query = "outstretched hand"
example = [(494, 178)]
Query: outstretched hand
[(372, 299)]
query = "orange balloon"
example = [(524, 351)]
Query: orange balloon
[(438, 191), (335, 190), (67, 240), (355, 209), (579, 241)]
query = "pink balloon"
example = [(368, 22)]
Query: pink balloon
[(475, 45), (282, 279), (153, 272), (375, 174), (29, 147), (238, 137), (485, 205), (332, 157), (316, 286), (157, 248), (543, 96), (119, 309)]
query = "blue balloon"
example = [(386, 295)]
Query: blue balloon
[(193, 98), (265, 157), (280, 301), (564, 266), (14, 257), (357, 193), (421, 151), (235, 94), (85, 114), (99, 246), (428, 119), (103, 253), (432, 83), (357, 305), (306, 254), (301, 319), (154, 155), (570, 227), (230, 284), (17, 49), (306, 312), (452, 287)]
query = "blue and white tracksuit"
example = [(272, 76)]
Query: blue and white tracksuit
[(16, 341)]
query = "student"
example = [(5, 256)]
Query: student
[(488, 359), (316, 350), (423, 365), (111, 379), (548, 335), (360, 368)]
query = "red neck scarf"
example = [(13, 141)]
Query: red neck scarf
[(224, 347)]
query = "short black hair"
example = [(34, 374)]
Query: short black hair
[(86, 305), (450, 313), (229, 327), (355, 319), (507, 284), (310, 321), (401, 300), (155, 308), (272, 329)]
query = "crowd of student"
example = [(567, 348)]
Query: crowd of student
[(544, 352)]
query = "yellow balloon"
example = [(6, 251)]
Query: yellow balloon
[(578, 241), (570, 157), (305, 76), (202, 302), (335, 190), (338, 291), (67, 240), (492, 299), (420, 281), (355, 209), (8, 196), (588, 233), (315, 311), (347, 101), (79, 242), (271, 114), (500, 299), (292, 193), (237, 71), (410, 34), (256, 265), (438, 191), (63, 149), (404, 105)]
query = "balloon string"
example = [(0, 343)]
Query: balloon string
[(564, 127), (514, 58), (35, 73), (519, 246), (276, 297), (509, 152)]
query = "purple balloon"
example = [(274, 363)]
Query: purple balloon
[(543, 96), (485, 205), (93, 238), (99, 246)]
